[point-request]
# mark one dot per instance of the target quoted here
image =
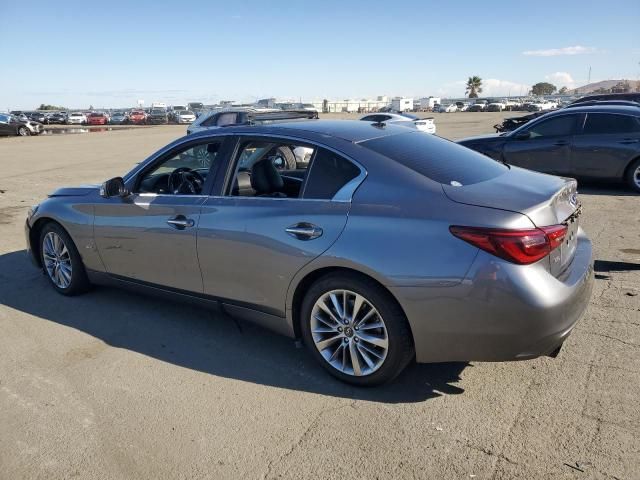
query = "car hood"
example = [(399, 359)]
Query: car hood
[(74, 191)]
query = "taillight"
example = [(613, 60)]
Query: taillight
[(518, 246)]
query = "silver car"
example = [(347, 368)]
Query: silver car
[(389, 246)]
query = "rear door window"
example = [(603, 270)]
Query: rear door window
[(440, 160), (605, 123)]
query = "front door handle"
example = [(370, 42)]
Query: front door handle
[(181, 222), (561, 143), (304, 231), (627, 141)]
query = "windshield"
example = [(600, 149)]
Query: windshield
[(184, 112), (440, 160), (158, 112)]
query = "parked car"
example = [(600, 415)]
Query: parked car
[(38, 117), (97, 118), (594, 142), (184, 116), (119, 118), (477, 107), (57, 118), (426, 125), (462, 106), (496, 268), (630, 97), (448, 108), (12, 125), (20, 115), (495, 107), (77, 118), (157, 117), (245, 116), (137, 117)]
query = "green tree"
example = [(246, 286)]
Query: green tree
[(474, 87), (543, 88), (563, 91), (44, 106)]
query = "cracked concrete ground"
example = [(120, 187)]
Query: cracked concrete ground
[(112, 385)]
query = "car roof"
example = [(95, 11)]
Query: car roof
[(626, 109), (354, 131)]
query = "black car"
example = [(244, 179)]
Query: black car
[(38, 117), (629, 97), (592, 142), (57, 118), (157, 117)]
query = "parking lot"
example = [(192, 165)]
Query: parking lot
[(115, 385)]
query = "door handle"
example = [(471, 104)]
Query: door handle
[(627, 141), (304, 231), (181, 222), (561, 143)]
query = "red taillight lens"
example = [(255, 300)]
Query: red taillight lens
[(518, 246)]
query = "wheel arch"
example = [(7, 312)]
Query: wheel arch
[(627, 168), (34, 236), (309, 278)]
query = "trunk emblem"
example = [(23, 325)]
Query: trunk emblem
[(573, 199)]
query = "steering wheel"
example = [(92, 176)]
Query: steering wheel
[(186, 181)]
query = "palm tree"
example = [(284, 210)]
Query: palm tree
[(474, 87)]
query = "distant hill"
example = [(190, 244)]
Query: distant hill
[(606, 84)]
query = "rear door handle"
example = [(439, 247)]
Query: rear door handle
[(304, 231), (627, 141), (180, 222)]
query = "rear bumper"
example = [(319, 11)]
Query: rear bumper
[(500, 311)]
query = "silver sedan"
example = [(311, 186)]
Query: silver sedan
[(387, 247)]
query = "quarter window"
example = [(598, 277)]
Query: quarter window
[(603, 123), (329, 173)]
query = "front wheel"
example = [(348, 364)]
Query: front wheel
[(61, 261), (23, 132), (356, 330), (633, 175)]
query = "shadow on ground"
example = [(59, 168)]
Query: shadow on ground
[(202, 340)]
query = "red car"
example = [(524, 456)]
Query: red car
[(137, 116), (97, 119)]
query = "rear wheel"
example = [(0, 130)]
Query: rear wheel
[(61, 261), (633, 175), (355, 330)]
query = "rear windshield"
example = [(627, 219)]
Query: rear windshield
[(440, 160)]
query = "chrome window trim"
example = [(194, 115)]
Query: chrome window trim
[(345, 194)]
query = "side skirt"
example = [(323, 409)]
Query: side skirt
[(269, 320)]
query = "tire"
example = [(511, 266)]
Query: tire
[(70, 283), (632, 176), (23, 132), (337, 355), (288, 157)]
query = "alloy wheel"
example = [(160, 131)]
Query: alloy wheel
[(636, 177), (349, 332), (57, 260)]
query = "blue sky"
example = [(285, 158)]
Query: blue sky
[(77, 53)]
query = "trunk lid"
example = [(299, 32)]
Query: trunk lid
[(545, 199)]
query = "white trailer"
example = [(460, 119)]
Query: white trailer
[(402, 104), (427, 103)]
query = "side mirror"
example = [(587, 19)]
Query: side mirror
[(114, 188), (522, 136)]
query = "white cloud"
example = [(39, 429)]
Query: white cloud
[(561, 79), (554, 52), (492, 87)]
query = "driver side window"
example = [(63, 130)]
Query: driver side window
[(554, 127), (183, 172)]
